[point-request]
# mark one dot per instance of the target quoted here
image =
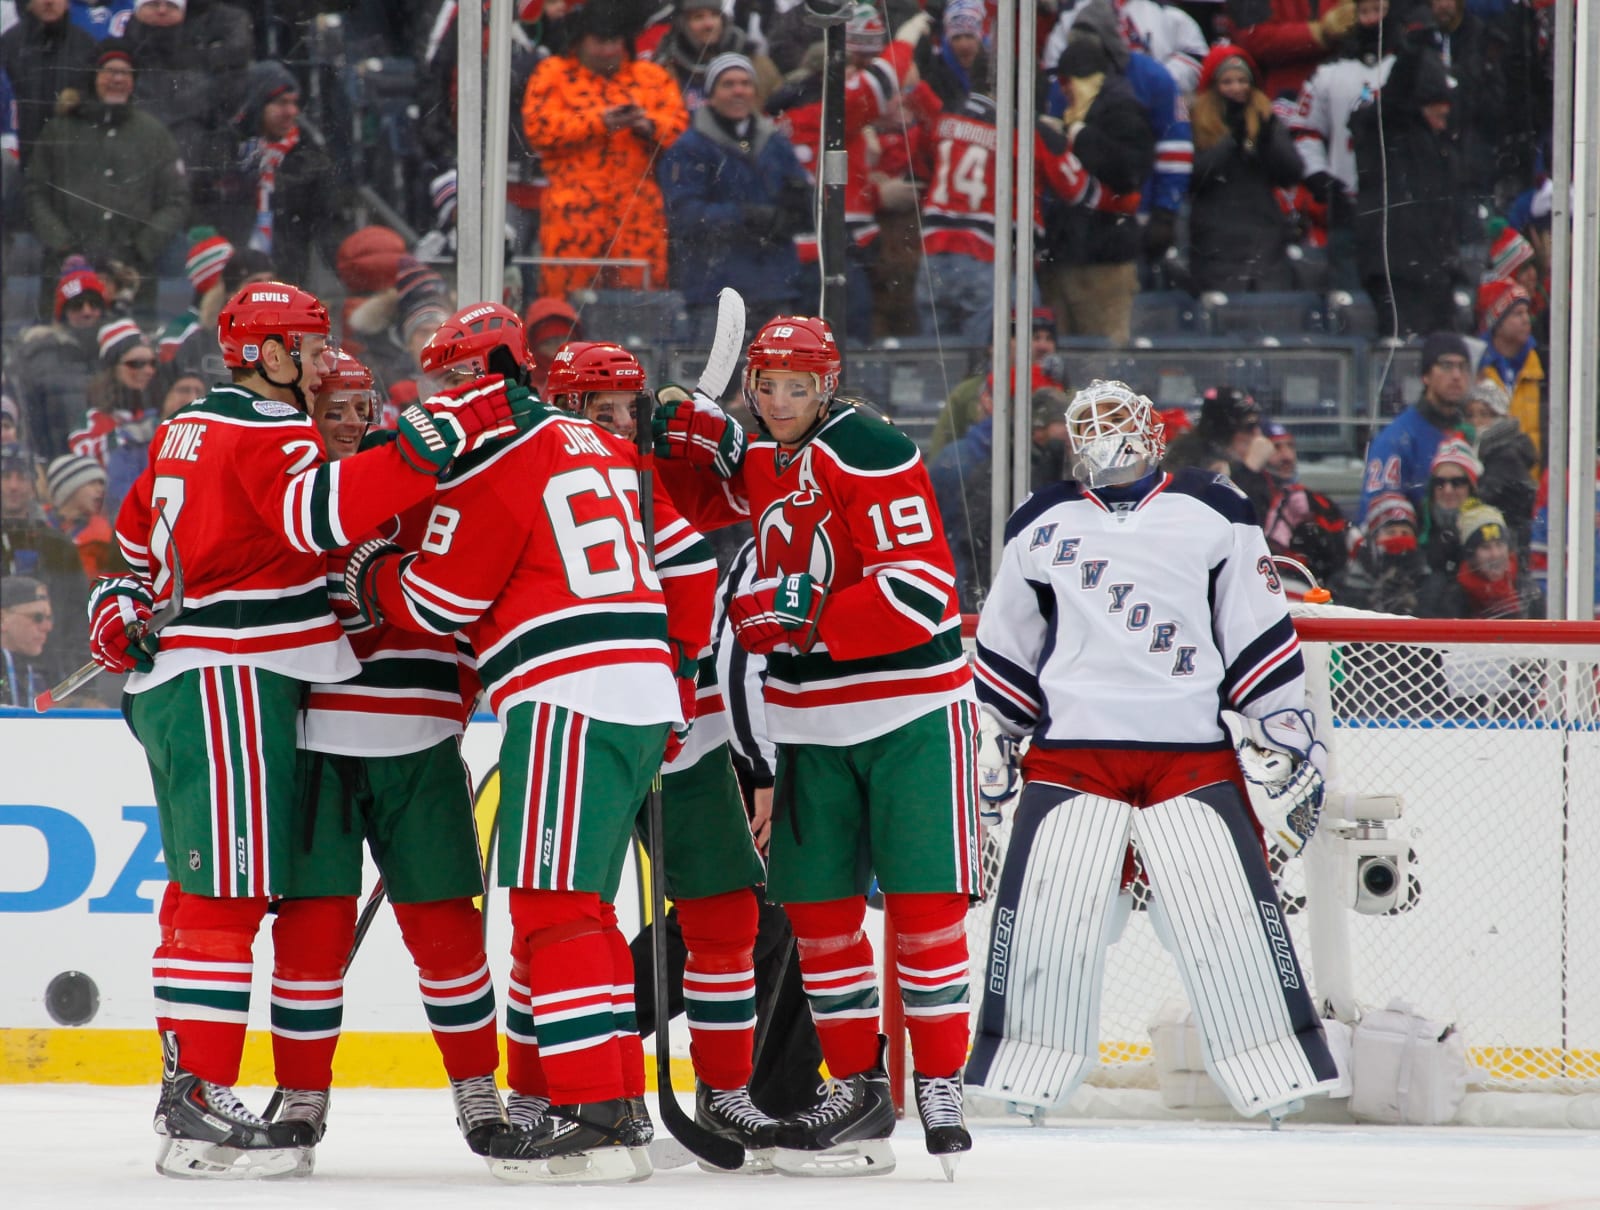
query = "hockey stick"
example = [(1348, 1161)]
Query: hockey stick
[(713, 1149), (726, 344), (53, 697), (369, 913)]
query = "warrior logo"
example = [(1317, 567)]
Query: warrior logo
[(794, 537)]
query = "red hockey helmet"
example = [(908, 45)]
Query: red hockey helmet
[(470, 335), (266, 310), (582, 366), (795, 342), (348, 376)]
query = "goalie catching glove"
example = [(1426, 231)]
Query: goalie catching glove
[(1279, 758), (460, 419), (778, 612), (697, 430), (119, 622)]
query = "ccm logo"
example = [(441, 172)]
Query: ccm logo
[(262, 296)]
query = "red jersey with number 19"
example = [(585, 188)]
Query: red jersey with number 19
[(239, 486), (853, 506), (535, 552)]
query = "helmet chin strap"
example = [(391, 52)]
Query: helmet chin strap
[(293, 387)]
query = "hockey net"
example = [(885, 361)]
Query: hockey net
[(1487, 735)]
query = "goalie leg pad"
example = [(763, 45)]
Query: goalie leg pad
[(1212, 894), (1054, 915)]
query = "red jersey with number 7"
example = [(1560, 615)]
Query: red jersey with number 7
[(854, 508), (535, 552)]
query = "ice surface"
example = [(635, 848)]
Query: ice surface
[(67, 1146)]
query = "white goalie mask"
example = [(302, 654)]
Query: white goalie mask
[(1113, 433)]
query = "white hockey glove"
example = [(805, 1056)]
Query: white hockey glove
[(1279, 756), (998, 775)]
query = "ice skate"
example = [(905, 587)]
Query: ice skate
[(597, 1143), (731, 1114), (300, 1118), (847, 1134), (944, 1127), (207, 1134), (479, 1112)]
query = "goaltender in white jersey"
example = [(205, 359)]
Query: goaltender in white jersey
[(1135, 624)]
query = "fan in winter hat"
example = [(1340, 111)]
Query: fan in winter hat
[(964, 17), (423, 298), (1456, 451), (66, 474), (1478, 523), (442, 193), (1496, 299), (78, 279), (1508, 253), (1491, 393), (865, 32), (1387, 508), (116, 338), (726, 62), (208, 256)]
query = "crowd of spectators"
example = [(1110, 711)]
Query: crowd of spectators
[(158, 154)]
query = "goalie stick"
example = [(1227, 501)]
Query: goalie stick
[(713, 1149), (75, 681)]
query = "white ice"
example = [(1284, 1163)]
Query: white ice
[(64, 1147)]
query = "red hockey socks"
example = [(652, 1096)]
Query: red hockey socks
[(203, 985), (624, 1013), (719, 985), (524, 1071), (165, 915), (446, 942), (568, 967), (840, 979), (311, 941), (931, 965)]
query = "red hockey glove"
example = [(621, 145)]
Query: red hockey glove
[(119, 618), (360, 575), (776, 612), (456, 420), (697, 430), (687, 672)]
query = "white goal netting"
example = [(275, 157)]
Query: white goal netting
[(1491, 746)]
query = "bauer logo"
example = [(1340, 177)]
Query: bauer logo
[(1000, 956), (269, 296), (1282, 952)]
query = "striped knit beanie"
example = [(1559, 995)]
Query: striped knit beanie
[(729, 61), (209, 254), (66, 474), (116, 338)]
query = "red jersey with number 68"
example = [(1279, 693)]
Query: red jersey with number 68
[(535, 552), (854, 508)]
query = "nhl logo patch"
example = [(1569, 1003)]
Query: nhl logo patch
[(251, 353), (194, 859), (275, 409)]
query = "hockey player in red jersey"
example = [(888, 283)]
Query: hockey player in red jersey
[(380, 762), (534, 552), (1129, 603), (240, 494), (712, 868), (870, 699)]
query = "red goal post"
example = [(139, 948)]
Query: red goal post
[(1485, 737)]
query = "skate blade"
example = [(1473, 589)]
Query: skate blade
[(602, 1166), (868, 1157), (757, 1162), (193, 1159), (948, 1162), (643, 1165)]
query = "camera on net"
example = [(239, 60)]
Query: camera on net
[(1378, 864)]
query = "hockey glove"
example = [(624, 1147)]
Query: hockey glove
[(119, 622), (360, 575), (697, 430), (778, 612), (998, 776), (688, 669), (462, 418), (1279, 759)]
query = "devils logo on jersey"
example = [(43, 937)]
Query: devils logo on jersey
[(793, 536)]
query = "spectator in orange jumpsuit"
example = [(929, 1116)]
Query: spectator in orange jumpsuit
[(600, 119)]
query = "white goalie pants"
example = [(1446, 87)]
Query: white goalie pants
[(1213, 903)]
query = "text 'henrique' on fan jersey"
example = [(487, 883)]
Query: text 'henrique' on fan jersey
[(1126, 617), (240, 487), (535, 552), (854, 508)]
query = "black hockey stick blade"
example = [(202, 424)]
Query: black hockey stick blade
[(369, 913)]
